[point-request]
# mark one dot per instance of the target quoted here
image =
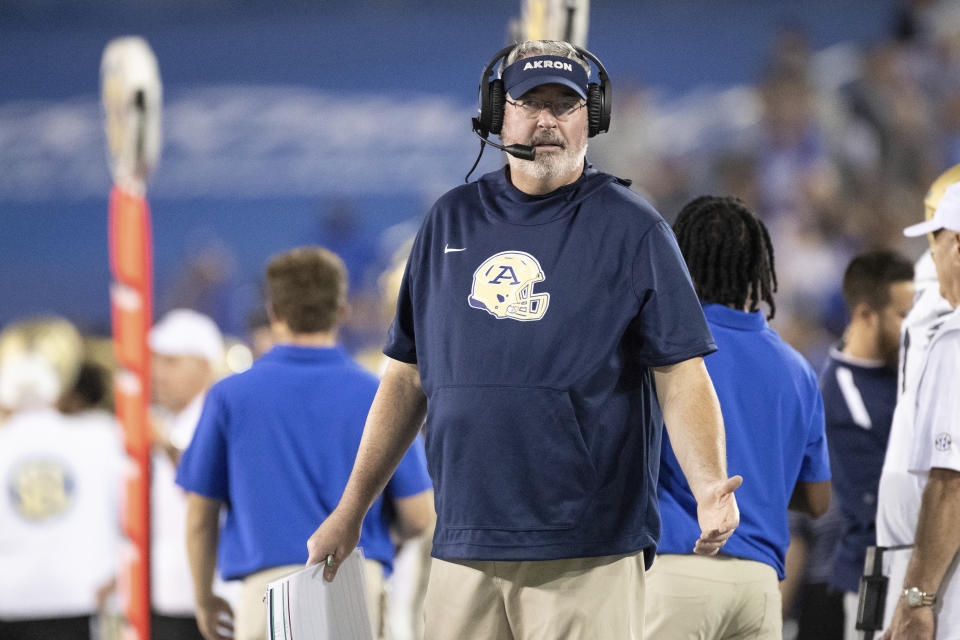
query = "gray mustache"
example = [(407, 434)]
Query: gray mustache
[(555, 141)]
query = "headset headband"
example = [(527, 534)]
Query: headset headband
[(600, 120)]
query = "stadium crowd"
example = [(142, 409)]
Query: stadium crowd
[(834, 149)]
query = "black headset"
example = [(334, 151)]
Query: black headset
[(493, 98)]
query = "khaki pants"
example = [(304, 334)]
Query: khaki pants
[(250, 616), (693, 597), (575, 599), (851, 602)]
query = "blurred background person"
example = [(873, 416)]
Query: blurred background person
[(59, 525), (773, 418), (859, 387), (275, 446), (187, 353)]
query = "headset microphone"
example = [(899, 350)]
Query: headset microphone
[(521, 151)]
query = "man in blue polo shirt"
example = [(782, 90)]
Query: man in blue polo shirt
[(275, 445), (538, 307), (859, 386), (773, 415)]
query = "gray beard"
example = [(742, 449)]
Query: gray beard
[(553, 165)]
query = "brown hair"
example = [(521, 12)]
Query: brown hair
[(306, 288), (869, 276)]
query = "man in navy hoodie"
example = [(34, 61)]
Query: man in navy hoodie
[(546, 327)]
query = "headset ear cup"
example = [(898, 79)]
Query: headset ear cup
[(594, 109), (497, 104)]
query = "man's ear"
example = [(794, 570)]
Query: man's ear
[(864, 313), (344, 313), (271, 314)]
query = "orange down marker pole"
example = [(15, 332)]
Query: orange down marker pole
[(130, 85)]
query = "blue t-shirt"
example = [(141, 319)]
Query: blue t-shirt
[(534, 321), (773, 418), (859, 398), (276, 444)]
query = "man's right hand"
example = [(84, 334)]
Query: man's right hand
[(718, 515), (338, 536), (215, 618)]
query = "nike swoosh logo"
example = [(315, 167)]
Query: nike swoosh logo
[(448, 249)]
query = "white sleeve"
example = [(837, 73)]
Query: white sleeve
[(936, 441)]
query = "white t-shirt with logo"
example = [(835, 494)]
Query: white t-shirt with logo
[(934, 442), (60, 535), (898, 503)]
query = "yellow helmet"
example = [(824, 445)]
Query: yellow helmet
[(39, 359), (503, 287), (932, 200)]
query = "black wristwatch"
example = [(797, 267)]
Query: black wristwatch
[(916, 598)]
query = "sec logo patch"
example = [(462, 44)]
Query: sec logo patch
[(943, 442), (41, 489)]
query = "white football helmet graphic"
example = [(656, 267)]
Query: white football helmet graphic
[(503, 287)]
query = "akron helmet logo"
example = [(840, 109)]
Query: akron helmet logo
[(503, 287)]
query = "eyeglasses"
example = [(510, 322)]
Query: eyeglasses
[(561, 109)]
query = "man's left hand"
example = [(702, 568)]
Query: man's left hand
[(718, 515)]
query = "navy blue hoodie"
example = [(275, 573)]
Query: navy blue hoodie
[(534, 321)]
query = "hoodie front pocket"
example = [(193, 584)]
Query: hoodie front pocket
[(508, 458)]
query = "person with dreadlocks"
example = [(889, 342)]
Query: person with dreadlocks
[(773, 416)]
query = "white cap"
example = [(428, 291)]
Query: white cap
[(947, 215), (184, 332)]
